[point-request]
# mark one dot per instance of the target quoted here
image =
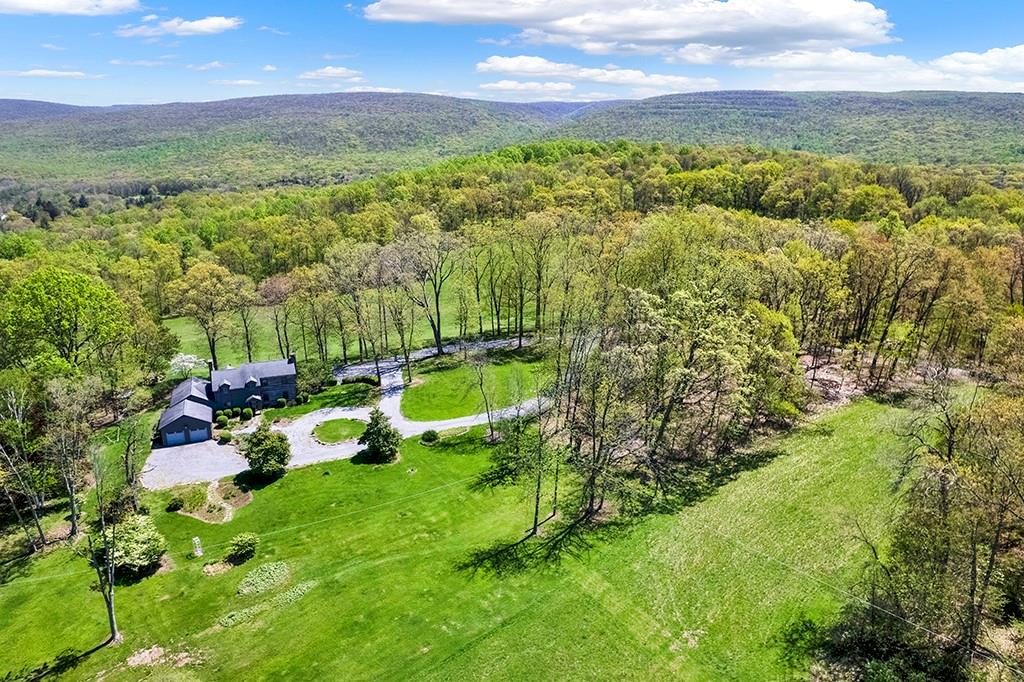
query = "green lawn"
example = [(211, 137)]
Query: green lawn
[(231, 351), (344, 395), (449, 388), (703, 593), (339, 430)]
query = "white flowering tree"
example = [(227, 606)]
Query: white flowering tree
[(184, 365)]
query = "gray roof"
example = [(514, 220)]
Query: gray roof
[(186, 408), (238, 377), (190, 388)]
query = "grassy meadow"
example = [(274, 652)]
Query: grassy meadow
[(376, 555), (446, 389)]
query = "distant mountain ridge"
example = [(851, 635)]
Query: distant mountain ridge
[(335, 137)]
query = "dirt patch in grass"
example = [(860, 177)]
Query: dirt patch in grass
[(221, 501), (218, 568), (157, 655), (233, 495), (166, 564)]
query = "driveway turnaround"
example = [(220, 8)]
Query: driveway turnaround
[(208, 461)]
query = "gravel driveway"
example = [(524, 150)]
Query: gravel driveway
[(208, 461)]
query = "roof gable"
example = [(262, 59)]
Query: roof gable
[(255, 371)]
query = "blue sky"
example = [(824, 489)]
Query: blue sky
[(133, 51)]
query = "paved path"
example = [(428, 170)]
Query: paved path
[(208, 461)]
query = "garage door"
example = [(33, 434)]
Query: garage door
[(174, 438), (198, 435)]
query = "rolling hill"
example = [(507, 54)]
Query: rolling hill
[(336, 137)]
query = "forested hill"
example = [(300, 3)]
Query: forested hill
[(313, 139), (305, 139), (919, 127)]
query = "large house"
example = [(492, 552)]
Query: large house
[(189, 419)]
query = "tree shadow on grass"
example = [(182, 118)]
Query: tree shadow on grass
[(248, 481), (698, 482), (13, 566), (62, 663), (572, 538)]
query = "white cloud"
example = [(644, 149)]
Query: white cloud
[(500, 42), (997, 61), (150, 17), (370, 88), (843, 69), (180, 27), (269, 68), (333, 73), (80, 7), (51, 73), (239, 82), (528, 86), (51, 46), (699, 53), (539, 67), (275, 31), (209, 66), (138, 62), (604, 26)]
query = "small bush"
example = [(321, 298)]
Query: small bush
[(236, 412), (222, 421), (177, 503), (242, 547), (225, 437), (188, 499), (429, 437), (368, 380), (281, 402), (218, 414), (268, 452), (247, 414), (302, 398), (380, 438), (138, 545), (263, 578)]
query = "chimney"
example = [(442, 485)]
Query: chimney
[(209, 366), (291, 358)]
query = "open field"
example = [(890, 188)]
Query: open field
[(451, 390), (702, 593)]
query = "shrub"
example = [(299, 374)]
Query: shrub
[(222, 421), (363, 379), (302, 398), (188, 499), (247, 414), (177, 503), (138, 545), (429, 437), (218, 414), (242, 547), (281, 402), (225, 437), (267, 452), (263, 578), (380, 438), (287, 597), (236, 411)]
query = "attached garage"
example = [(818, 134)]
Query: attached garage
[(185, 422)]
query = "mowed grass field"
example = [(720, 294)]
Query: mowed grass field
[(447, 388), (231, 350), (703, 593)]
